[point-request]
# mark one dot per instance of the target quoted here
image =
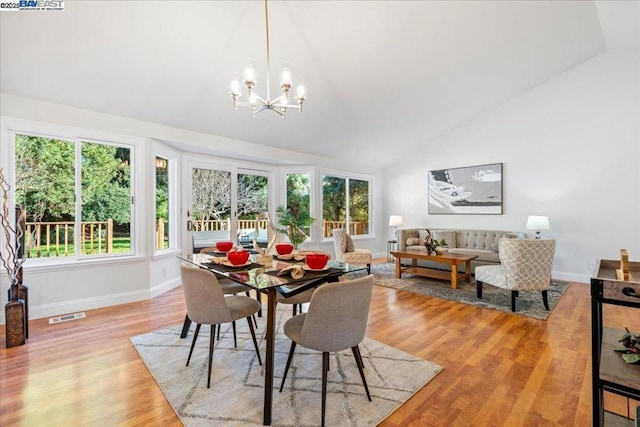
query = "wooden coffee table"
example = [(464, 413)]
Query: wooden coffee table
[(454, 260)]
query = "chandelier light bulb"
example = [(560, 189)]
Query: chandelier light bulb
[(300, 92), (235, 87), (249, 73), (285, 78), (253, 100)]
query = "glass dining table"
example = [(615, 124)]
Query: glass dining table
[(263, 274)]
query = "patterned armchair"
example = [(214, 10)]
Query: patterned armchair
[(346, 252), (526, 266)]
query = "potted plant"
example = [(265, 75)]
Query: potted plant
[(13, 256), (293, 223), (439, 245)]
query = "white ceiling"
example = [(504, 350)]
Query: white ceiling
[(383, 77)]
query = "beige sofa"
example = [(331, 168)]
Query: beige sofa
[(483, 243)]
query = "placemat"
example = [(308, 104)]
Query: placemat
[(226, 268)]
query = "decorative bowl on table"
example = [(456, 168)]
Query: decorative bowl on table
[(316, 261), (239, 257), (284, 248), (224, 246)]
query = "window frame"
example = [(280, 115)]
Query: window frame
[(173, 169), (316, 227), (11, 127), (348, 176)]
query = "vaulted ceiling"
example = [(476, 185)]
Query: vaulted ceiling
[(382, 77)]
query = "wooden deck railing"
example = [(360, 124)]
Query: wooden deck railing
[(56, 238), (46, 239), (225, 224), (355, 227)]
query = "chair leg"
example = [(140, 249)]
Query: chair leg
[(253, 315), (325, 369), (514, 294), (295, 309), (368, 268), (219, 327), (479, 289), (193, 342), (286, 368), (211, 341), (255, 342), (358, 357), (545, 300), (235, 339)]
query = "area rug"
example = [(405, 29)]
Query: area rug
[(237, 382), (528, 304)]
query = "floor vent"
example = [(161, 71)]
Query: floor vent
[(66, 317)]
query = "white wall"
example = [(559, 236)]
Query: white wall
[(570, 149), (66, 288)]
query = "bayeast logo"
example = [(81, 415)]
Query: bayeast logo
[(33, 5)]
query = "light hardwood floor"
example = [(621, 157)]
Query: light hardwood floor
[(499, 369)]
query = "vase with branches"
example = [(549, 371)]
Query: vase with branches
[(293, 223), (13, 255)]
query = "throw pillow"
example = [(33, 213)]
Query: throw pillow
[(350, 247), (448, 236), (422, 234), (413, 241)]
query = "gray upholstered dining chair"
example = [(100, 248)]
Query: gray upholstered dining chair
[(525, 266), (297, 300), (207, 305), (336, 320), (229, 287), (346, 252)]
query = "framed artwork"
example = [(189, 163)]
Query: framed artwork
[(468, 190)]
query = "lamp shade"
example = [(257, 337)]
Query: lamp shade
[(395, 220), (536, 222)]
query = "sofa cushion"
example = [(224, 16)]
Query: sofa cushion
[(483, 254), (413, 241), (448, 236), (480, 239), (422, 234)]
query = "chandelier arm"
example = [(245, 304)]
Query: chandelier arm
[(262, 101), (296, 106), (278, 100)]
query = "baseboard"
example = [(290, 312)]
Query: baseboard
[(571, 277), (164, 287), (72, 306)]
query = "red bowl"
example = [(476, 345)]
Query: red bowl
[(238, 257), (316, 261), (224, 246), (284, 248)]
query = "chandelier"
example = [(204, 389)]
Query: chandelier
[(280, 105)]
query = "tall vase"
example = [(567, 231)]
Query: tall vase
[(15, 328), (21, 292)]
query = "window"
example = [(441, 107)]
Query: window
[(345, 204), (162, 204), (77, 196), (252, 201), (298, 201)]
